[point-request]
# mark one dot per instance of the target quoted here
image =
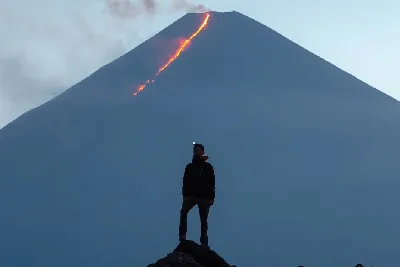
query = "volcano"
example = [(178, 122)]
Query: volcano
[(305, 156)]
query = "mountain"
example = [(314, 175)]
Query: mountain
[(305, 157)]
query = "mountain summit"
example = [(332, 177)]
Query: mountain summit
[(305, 157)]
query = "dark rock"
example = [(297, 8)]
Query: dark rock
[(190, 254)]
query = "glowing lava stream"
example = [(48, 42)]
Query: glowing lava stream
[(184, 45)]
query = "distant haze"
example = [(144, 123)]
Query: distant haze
[(51, 45)]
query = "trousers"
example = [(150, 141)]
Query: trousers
[(204, 207)]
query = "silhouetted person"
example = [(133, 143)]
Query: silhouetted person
[(198, 189)]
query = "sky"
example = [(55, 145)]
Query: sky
[(49, 45)]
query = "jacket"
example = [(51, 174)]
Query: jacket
[(199, 179)]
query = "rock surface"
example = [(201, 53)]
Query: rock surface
[(190, 254)]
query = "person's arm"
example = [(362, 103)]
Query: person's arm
[(185, 182), (212, 182)]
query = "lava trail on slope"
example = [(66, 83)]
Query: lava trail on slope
[(182, 47)]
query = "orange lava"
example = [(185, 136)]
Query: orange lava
[(182, 47)]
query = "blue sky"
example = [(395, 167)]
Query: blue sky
[(361, 37), (52, 44)]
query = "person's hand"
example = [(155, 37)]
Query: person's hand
[(211, 202)]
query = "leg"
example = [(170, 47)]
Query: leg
[(187, 205), (204, 208)]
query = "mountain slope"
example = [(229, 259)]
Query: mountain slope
[(305, 157)]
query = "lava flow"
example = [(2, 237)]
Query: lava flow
[(183, 45)]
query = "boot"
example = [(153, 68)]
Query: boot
[(204, 241)]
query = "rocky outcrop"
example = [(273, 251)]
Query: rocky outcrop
[(190, 254)]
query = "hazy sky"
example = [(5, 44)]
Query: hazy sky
[(48, 45)]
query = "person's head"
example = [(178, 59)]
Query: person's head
[(198, 150), (198, 153)]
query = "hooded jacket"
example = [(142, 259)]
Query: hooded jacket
[(199, 179)]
